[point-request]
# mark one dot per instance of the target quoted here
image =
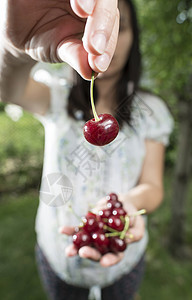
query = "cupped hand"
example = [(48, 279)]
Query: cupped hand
[(82, 33), (137, 224), (105, 260), (134, 234)]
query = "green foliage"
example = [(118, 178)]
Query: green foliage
[(21, 150), (166, 45), (18, 272), (2, 106), (166, 33)]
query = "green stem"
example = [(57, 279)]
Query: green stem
[(122, 219), (112, 234), (123, 233), (92, 100), (109, 228), (137, 213)]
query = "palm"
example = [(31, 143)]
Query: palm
[(43, 24)]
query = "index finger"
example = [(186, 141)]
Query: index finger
[(99, 27), (101, 33)]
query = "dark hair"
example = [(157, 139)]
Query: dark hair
[(79, 97)]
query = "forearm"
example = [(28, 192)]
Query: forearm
[(145, 196), (14, 74)]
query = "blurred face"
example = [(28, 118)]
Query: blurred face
[(124, 42)]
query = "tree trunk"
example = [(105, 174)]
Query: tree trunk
[(181, 180)]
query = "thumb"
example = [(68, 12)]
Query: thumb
[(73, 53)]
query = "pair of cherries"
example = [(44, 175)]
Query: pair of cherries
[(106, 230), (102, 129)]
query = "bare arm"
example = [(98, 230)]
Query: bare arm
[(148, 193)]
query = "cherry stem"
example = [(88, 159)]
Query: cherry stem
[(109, 229), (126, 227), (137, 213), (112, 234), (122, 219), (92, 100)]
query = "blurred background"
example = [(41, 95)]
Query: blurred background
[(166, 32)]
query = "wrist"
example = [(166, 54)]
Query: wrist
[(127, 199), (14, 72), (13, 55)]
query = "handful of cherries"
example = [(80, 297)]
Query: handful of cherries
[(106, 230)]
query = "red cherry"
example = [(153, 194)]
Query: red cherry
[(101, 226), (115, 223), (81, 239), (112, 196), (100, 133), (105, 214), (119, 212), (100, 242), (117, 244), (111, 204), (90, 223)]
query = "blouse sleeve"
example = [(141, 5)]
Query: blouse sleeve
[(59, 80), (157, 118)]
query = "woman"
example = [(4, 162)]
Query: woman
[(131, 166)]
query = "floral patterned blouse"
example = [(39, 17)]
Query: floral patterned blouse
[(89, 173)]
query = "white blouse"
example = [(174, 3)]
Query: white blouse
[(90, 172)]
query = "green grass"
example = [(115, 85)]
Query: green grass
[(21, 143), (18, 273), (165, 278), (21, 151)]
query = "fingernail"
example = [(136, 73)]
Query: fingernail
[(99, 42), (87, 5), (102, 62)]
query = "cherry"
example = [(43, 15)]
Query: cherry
[(102, 132), (102, 129), (115, 223), (117, 244), (81, 239), (105, 214), (112, 196), (119, 212), (101, 242), (101, 226), (111, 204), (90, 223)]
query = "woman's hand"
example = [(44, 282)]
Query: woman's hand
[(137, 225), (135, 233), (52, 31)]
